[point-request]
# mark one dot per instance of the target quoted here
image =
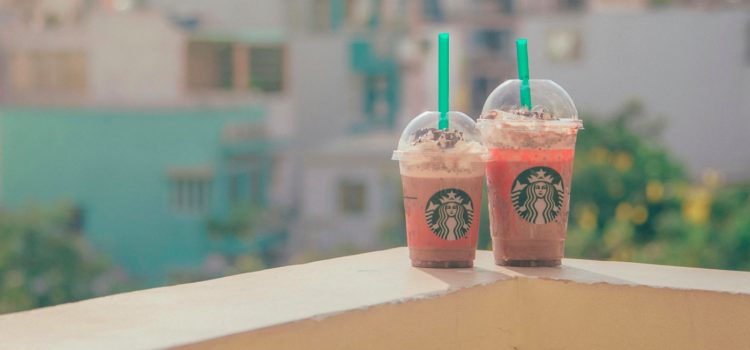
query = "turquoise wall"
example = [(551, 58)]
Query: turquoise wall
[(114, 165)]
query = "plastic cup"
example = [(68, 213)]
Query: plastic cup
[(529, 171), (442, 173)]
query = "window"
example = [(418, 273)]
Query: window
[(381, 98), (215, 66), (564, 45), (209, 65), (573, 5), (246, 187), (236, 189), (351, 197), (433, 11), (505, 6), (492, 41), (321, 16), (190, 190), (267, 68), (55, 71), (256, 187), (331, 15), (52, 21), (248, 176)]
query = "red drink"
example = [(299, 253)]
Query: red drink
[(529, 171), (528, 195)]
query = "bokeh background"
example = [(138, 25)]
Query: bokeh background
[(153, 142)]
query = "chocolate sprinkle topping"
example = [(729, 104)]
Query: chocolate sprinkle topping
[(443, 138), (521, 113)]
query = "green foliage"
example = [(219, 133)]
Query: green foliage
[(241, 222), (248, 238), (632, 200), (45, 260)]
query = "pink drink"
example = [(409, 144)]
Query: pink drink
[(529, 195), (442, 173), (442, 218)]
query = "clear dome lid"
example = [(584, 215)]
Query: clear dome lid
[(422, 136), (551, 104)]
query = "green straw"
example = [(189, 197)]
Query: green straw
[(443, 80), (522, 52)]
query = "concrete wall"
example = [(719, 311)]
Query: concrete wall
[(377, 301), (690, 68), (324, 91)]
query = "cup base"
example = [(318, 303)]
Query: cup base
[(528, 263), (442, 264), (528, 253), (442, 258)]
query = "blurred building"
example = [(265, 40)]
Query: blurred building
[(153, 129)]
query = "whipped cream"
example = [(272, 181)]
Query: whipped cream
[(521, 128), (520, 114), (442, 153)]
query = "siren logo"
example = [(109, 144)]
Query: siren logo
[(449, 214), (537, 195)]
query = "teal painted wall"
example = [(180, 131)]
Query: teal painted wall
[(114, 165)]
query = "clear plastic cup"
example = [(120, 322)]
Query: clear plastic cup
[(442, 174), (529, 171)]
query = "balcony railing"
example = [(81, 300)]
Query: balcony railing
[(376, 301)]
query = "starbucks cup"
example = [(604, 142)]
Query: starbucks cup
[(529, 171), (442, 174)]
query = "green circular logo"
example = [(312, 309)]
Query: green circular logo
[(449, 214), (537, 194)]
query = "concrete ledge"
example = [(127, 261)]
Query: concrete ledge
[(377, 300)]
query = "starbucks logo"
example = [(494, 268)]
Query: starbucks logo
[(449, 214), (537, 195)]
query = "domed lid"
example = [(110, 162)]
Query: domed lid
[(552, 106), (422, 136)]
